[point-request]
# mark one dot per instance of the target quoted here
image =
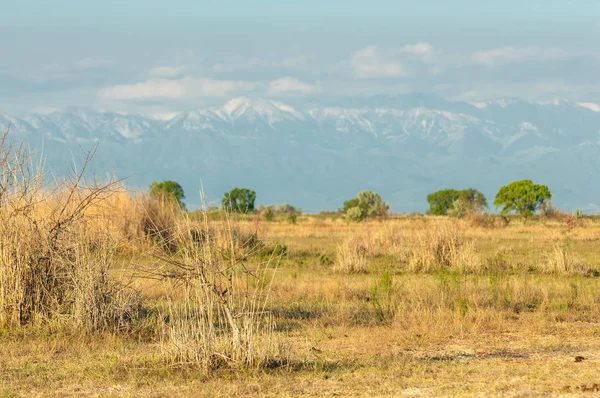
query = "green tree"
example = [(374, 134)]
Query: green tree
[(240, 200), (366, 204), (523, 197), (441, 201), (168, 191)]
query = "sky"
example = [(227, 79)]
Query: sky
[(159, 58)]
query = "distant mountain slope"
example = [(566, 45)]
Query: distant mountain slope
[(315, 157)]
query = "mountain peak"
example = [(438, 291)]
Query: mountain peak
[(258, 108)]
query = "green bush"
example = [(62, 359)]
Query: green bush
[(366, 204)]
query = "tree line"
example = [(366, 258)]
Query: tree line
[(521, 197)]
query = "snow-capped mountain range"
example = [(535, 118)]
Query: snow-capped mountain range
[(316, 156)]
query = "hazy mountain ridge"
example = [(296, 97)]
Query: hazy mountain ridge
[(315, 157)]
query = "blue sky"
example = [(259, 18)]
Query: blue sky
[(161, 57)]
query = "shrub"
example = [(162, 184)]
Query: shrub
[(354, 214), (366, 204)]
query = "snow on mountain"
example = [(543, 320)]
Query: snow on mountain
[(255, 109), (317, 156)]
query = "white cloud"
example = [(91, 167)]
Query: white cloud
[(166, 71), (407, 61), (291, 85), (371, 62), (176, 89), (507, 55)]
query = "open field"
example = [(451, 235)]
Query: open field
[(414, 306)]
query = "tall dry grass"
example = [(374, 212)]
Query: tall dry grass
[(216, 312), (442, 246), (351, 256), (562, 260)]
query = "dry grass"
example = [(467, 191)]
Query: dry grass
[(442, 247), (222, 317), (351, 256)]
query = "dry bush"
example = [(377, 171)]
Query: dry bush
[(53, 259), (216, 314), (442, 246)]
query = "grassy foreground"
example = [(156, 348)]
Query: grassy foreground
[(418, 306)]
